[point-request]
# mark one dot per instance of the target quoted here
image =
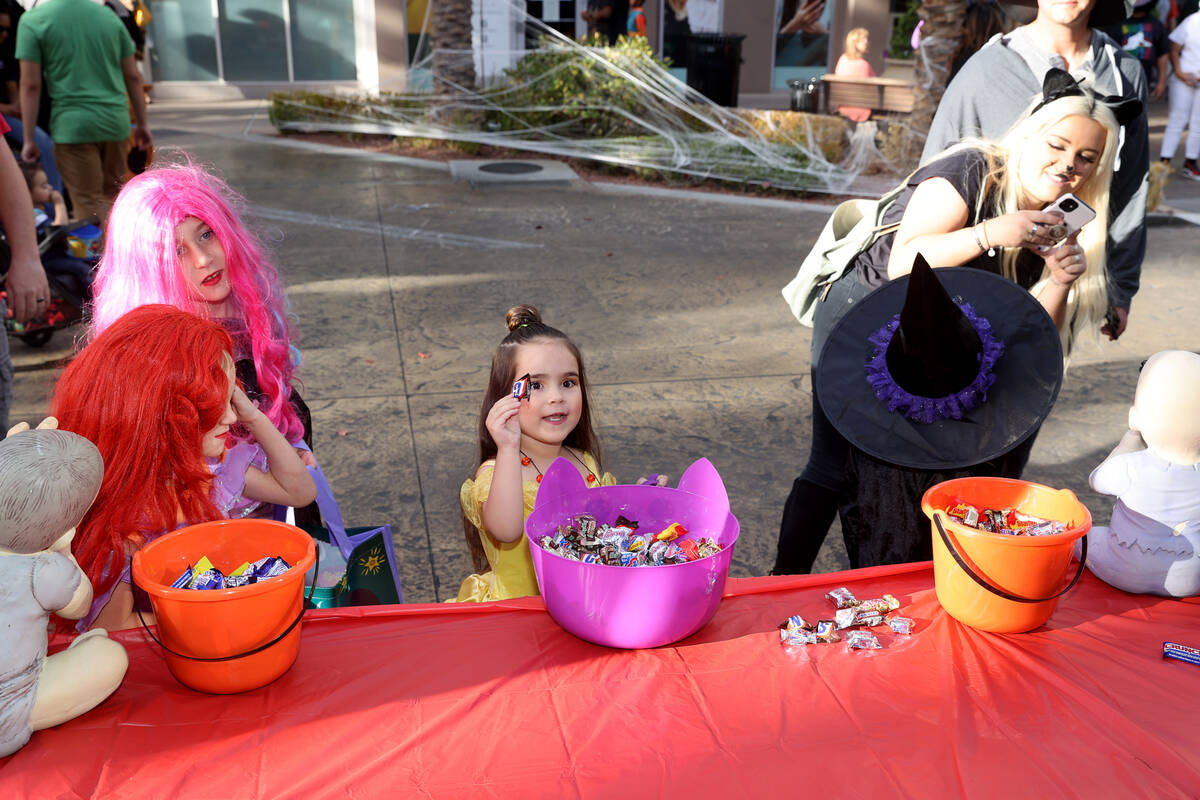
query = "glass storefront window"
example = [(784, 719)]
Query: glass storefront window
[(801, 40), (253, 45), (185, 45), (323, 40)]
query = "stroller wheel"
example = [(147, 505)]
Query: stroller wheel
[(37, 338)]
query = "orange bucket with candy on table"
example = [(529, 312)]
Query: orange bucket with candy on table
[(998, 582), (224, 641)]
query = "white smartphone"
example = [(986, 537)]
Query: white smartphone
[(1076, 214)]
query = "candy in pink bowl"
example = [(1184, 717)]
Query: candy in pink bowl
[(633, 607)]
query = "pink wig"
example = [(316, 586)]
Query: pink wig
[(140, 267)]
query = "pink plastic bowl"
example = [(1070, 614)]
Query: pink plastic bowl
[(633, 607)]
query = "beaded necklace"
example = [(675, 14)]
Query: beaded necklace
[(528, 462)]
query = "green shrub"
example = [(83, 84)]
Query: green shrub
[(900, 45)]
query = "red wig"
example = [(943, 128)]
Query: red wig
[(144, 392)]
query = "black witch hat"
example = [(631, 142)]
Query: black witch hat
[(941, 371)]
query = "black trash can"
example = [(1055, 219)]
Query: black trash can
[(714, 62), (806, 94)]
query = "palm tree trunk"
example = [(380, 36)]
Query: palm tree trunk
[(450, 35), (940, 35)]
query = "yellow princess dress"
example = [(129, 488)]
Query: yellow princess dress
[(511, 573)]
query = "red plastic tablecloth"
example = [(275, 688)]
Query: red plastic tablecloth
[(496, 700)]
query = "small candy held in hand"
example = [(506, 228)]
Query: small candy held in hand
[(521, 388)]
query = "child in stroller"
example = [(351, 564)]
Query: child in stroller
[(69, 254)]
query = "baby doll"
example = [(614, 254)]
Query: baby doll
[(1152, 545), (48, 478)]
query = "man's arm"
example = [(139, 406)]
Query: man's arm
[(26, 280), (31, 102), (1127, 227), (137, 99)]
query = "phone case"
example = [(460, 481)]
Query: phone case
[(1076, 213)]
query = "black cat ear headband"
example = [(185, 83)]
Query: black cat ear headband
[(1058, 84)]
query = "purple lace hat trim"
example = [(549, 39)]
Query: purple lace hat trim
[(932, 409)]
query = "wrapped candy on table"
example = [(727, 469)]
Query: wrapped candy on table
[(842, 598), (862, 640)]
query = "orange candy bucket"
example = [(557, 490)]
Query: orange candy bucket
[(227, 640), (997, 582)]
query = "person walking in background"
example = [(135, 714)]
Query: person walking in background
[(84, 55), (10, 103), (1184, 98), (636, 25), (1144, 37), (852, 64)]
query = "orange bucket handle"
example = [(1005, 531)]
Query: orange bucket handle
[(260, 648), (958, 559)]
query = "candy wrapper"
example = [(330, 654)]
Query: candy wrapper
[(798, 636), (827, 631), (862, 640), (205, 576), (842, 598), (1005, 521), (851, 613), (521, 388), (619, 545), (879, 605), (1181, 652)]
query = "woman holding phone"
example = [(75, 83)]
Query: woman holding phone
[(980, 204)]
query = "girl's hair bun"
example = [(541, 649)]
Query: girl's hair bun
[(522, 315)]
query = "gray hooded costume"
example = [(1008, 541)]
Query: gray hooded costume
[(995, 87)]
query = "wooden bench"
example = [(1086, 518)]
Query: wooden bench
[(886, 95)]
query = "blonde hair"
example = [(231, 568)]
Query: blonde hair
[(1003, 192), (856, 42)]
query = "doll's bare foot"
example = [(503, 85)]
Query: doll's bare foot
[(92, 634)]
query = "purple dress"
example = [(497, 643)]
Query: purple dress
[(229, 481)]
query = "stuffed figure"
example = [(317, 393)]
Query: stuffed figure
[(1152, 545), (48, 478)]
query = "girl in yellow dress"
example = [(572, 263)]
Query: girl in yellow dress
[(519, 437)]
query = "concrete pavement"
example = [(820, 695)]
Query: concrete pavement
[(399, 277)]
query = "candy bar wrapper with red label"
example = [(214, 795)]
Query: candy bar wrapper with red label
[(881, 605), (842, 598), (689, 548), (861, 640), (965, 513), (1181, 652)]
